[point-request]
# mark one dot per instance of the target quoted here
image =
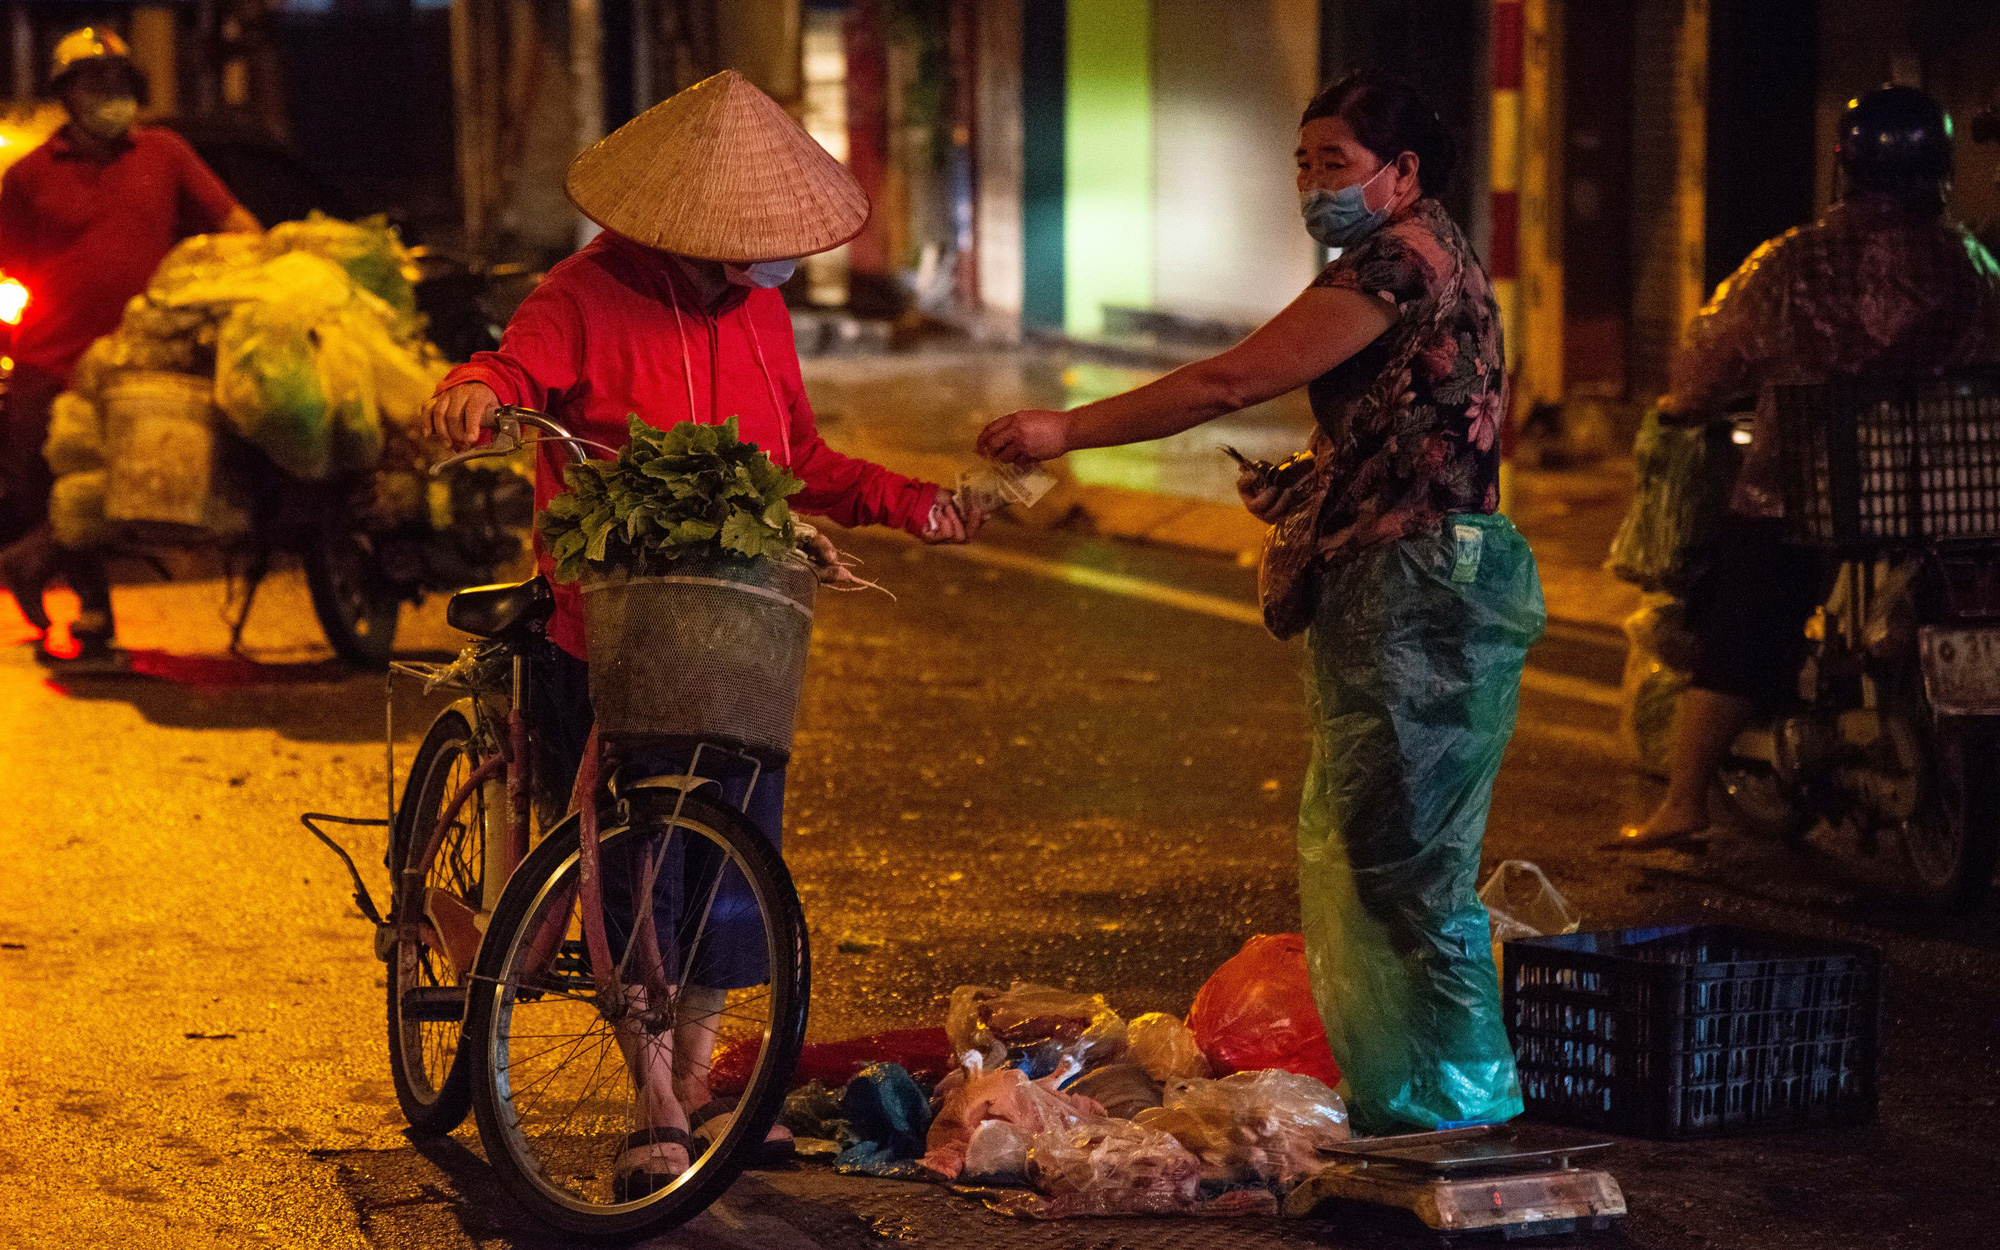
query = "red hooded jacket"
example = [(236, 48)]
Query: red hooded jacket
[(617, 329)]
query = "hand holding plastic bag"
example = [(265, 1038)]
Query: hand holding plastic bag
[(1258, 1012)]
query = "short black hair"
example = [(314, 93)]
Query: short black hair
[(1390, 117)]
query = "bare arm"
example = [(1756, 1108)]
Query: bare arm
[(1321, 328)]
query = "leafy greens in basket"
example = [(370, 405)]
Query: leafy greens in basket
[(690, 490)]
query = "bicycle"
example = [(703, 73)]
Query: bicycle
[(510, 991)]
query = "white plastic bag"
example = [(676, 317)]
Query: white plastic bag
[(1520, 902)]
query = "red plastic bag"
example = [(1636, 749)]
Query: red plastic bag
[(1257, 1012)]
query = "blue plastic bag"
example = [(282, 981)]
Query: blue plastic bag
[(890, 1116)]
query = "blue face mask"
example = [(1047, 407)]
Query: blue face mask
[(1340, 219), (763, 273)]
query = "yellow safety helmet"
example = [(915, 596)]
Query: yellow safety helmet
[(94, 43)]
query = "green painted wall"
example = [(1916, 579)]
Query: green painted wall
[(1108, 169)]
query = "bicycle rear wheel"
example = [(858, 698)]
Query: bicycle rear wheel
[(426, 989), (553, 1086)]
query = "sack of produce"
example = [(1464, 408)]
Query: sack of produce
[(76, 510), (76, 436), (304, 283), (368, 250), (347, 377), (1682, 480), (1659, 652), (267, 382), (117, 352)]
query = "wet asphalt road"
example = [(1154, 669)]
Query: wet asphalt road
[(998, 775)]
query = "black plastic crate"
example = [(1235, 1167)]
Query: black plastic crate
[(1889, 465), (1694, 1030)]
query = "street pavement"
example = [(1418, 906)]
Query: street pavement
[(1054, 756)]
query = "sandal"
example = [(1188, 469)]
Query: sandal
[(643, 1181), (1635, 838), (774, 1151)]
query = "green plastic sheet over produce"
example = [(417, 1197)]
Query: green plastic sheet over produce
[(1683, 478), (1413, 679)]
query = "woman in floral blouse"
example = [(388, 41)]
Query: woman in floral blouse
[(1418, 602)]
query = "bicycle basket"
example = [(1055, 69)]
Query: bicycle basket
[(709, 650), (1883, 465)]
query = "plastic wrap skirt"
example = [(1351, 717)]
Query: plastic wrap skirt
[(1413, 681)]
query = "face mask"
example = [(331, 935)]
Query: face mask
[(110, 118), (764, 273), (1340, 219)]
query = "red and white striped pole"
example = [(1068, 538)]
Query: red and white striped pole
[(1503, 260)]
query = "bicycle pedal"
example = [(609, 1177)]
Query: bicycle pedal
[(434, 1004)]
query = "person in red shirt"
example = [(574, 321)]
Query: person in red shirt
[(707, 200), (85, 219)]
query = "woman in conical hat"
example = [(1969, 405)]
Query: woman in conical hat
[(707, 200)]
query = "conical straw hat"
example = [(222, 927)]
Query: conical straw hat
[(718, 172)]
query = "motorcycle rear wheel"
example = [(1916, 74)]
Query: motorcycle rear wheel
[(1950, 849)]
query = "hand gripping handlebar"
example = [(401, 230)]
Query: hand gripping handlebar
[(507, 422)]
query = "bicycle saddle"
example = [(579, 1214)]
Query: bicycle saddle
[(491, 611)]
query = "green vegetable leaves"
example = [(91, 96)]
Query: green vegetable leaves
[(691, 489)]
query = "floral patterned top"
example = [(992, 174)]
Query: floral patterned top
[(1410, 425)]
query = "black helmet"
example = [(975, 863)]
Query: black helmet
[(1896, 141)]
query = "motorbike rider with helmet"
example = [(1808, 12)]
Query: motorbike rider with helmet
[(85, 219), (1882, 284)]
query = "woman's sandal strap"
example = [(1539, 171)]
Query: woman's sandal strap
[(714, 1109), (657, 1137)]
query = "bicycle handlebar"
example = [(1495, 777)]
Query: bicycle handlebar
[(507, 422)]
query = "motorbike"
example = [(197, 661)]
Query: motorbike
[(360, 565), (1896, 740)]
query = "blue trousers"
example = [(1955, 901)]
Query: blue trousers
[(727, 935)]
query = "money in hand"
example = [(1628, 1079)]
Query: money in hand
[(992, 487)]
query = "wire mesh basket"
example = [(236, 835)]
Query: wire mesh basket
[(1878, 466), (709, 649)]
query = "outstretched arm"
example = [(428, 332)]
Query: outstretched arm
[(1318, 330)]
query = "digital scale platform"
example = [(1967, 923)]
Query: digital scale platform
[(1515, 1180)]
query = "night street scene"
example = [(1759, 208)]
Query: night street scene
[(1076, 624)]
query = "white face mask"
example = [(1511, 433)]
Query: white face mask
[(109, 119), (763, 273)]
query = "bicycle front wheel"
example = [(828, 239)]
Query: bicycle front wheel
[(563, 1068)]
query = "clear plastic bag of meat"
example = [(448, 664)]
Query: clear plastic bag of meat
[(1113, 1167), (1117, 1168), (971, 1096), (1036, 1026), (1254, 1127)]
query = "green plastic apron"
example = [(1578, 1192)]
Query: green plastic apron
[(1413, 682)]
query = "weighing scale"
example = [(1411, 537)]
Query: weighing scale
[(1514, 1180)]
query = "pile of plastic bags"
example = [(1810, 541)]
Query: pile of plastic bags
[(311, 334), (1053, 1095)]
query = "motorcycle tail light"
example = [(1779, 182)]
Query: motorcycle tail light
[(13, 301)]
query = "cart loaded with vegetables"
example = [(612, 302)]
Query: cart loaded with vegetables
[(263, 397)]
